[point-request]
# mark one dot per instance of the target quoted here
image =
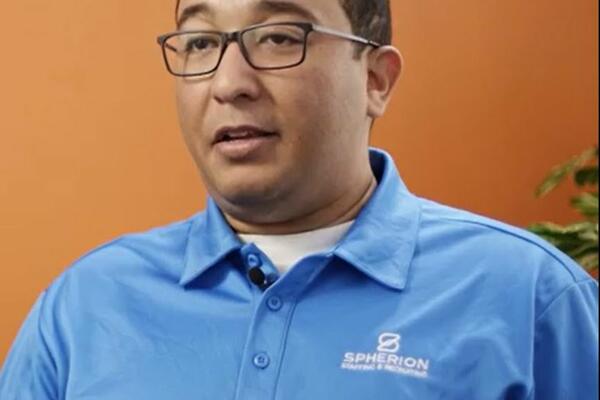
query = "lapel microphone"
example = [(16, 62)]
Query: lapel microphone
[(260, 279)]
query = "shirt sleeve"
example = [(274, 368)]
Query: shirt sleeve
[(29, 372), (566, 345)]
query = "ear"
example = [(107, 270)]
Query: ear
[(384, 67)]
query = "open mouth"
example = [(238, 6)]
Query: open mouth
[(240, 134)]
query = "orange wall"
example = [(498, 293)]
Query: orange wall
[(493, 94)]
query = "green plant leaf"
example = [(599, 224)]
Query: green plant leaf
[(586, 204), (579, 240), (587, 176), (556, 176), (554, 229), (584, 249), (560, 172), (590, 234)]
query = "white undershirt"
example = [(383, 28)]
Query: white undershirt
[(285, 250)]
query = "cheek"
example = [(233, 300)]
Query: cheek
[(310, 99), (306, 112), (190, 103), (328, 102)]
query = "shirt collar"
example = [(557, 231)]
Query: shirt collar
[(381, 242), (210, 240)]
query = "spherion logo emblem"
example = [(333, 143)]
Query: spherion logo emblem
[(387, 358), (389, 342)]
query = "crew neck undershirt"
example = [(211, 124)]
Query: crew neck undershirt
[(286, 250)]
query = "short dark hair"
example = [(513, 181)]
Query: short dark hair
[(371, 19)]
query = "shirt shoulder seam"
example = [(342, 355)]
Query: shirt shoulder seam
[(124, 237), (516, 235)]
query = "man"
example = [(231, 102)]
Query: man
[(313, 273)]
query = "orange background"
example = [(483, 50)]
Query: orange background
[(493, 94)]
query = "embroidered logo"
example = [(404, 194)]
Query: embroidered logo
[(389, 342), (387, 359)]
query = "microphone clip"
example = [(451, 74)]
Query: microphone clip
[(258, 277)]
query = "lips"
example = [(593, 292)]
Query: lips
[(243, 132)]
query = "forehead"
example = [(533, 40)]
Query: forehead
[(328, 12)]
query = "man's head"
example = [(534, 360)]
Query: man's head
[(317, 114)]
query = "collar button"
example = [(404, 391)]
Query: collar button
[(274, 303), (253, 260)]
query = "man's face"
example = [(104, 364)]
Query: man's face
[(316, 114)]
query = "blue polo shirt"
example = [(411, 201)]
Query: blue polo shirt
[(417, 301)]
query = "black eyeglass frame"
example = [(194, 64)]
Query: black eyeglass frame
[(236, 36)]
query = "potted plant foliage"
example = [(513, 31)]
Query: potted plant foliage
[(579, 239)]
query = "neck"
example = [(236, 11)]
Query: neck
[(343, 209)]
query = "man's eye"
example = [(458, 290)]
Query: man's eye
[(201, 44), (279, 39)]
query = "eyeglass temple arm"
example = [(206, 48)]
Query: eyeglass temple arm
[(342, 35)]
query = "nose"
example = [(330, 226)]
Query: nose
[(235, 79)]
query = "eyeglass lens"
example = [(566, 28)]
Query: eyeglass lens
[(273, 46)]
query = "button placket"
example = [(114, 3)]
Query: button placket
[(262, 359), (268, 333), (264, 348)]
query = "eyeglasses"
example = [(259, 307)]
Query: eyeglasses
[(265, 47)]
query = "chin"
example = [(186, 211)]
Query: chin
[(248, 193), (248, 187)]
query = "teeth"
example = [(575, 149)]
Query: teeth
[(237, 135)]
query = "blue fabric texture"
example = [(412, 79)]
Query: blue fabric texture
[(417, 301)]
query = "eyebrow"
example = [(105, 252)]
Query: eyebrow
[(264, 7), (189, 12)]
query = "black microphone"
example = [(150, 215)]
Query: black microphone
[(260, 279)]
